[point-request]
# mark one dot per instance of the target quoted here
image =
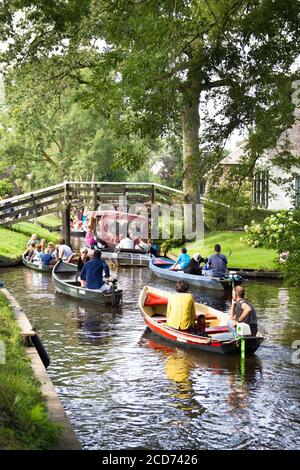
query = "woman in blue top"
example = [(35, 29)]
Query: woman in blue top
[(183, 260)]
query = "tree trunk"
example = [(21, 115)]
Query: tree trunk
[(191, 157), (191, 153)]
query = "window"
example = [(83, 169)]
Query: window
[(297, 191), (260, 190)]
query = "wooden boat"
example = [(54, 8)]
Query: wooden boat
[(64, 279), (127, 257), (161, 267), (153, 306), (37, 266)]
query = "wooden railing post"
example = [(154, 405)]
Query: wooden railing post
[(153, 194), (95, 198), (66, 229)]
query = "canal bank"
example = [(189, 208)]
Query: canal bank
[(45, 424)]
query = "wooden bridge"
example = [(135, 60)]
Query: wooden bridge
[(65, 195)]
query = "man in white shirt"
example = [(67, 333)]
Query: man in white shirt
[(125, 244), (64, 251)]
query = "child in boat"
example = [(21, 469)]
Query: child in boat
[(181, 312), (182, 261), (38, 255), (32, 240), (200, 326), (30, 252)]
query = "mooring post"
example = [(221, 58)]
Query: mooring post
[(66, 229)]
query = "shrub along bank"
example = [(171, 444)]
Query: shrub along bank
[(24, 421)]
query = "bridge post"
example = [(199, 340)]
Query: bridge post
[(95, 198), (66, 230), (153, 194)]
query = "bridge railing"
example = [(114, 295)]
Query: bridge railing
[(44, 201)]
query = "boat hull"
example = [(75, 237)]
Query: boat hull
[(206, 282), (64, 280), (37, 267), (187, 340), (126, 259)]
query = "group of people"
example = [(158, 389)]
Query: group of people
[(181, 311), (41, 252), (215, 265), (125, 243)]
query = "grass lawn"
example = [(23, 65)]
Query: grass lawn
[(51, 220), (12, 244), (24, 421), (28, 228), (242, 256)]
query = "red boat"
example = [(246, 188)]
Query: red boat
[(153, 306)]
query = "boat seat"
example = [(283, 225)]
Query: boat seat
[(159, 319), (216, 329)]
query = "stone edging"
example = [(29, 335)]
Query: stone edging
[(68, 440)]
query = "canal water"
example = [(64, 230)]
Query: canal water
[(123, 388)]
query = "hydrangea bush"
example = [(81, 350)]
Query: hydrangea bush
[(279, 231)]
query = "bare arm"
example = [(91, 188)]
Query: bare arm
[(246, 311), (232, 316)]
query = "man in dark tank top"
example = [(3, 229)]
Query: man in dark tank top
[(242, 311)]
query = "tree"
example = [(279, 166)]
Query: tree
[(47, 134), (161, 57)]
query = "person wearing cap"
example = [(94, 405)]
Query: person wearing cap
[(194, 265)]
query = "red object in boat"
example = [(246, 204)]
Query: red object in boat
[(153, 299)]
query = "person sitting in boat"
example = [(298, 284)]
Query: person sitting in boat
[(30, 252), (92, 242), (154, 248), (217, 263), (91, 275), (194, 265), (182, 261), (50, 255), (64, 251), (43, 244), (83, 258), (33, 239), (201, 325), (242, 310), (142, 245), (125, 243), (38, 254), (181, 311)]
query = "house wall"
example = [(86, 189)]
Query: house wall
[(281, 196)]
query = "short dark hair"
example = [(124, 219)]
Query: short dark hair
[(217, 248), (183, 250), (182, 286), (97, 254), (239, 291), (62, 241)]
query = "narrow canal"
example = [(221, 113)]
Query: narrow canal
[(122, 388)]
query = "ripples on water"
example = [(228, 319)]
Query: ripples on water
[(123, 388)]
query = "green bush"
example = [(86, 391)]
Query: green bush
[(24, 420), (6, 188), (281, 232), (218, 217)]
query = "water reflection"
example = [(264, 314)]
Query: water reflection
[(180, 363)]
